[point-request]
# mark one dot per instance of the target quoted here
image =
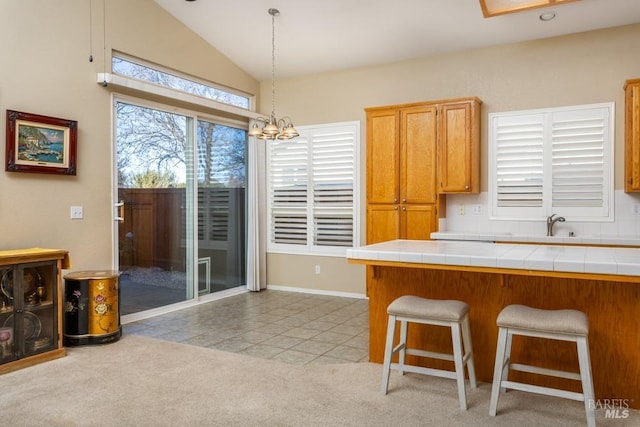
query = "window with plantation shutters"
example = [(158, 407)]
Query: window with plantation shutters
[(557, 160), (312, 183)]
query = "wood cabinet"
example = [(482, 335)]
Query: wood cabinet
[(459, 147), (30, 307), (414, 152), (632, 136), (388, 222), (401, 172)]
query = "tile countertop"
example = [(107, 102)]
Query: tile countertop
[(570, 259), (534, 238)]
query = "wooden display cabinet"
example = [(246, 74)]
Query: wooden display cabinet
[(632, 136), (30, 307)]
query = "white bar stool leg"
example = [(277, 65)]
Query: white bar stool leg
[(499, 370), (404, 325), (507, 360), (468, 348), (457, 360), (386, 367), (587, 382)]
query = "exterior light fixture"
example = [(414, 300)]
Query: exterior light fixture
[(273, 128)]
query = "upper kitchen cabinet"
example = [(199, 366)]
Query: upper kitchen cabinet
[(401, 154), (383, 156), (459, 146), (632, 136), (401, 172)]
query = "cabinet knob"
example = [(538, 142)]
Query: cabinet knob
[(404, 200), (404, 208), (395, 208), (466, 187), (395, 200)]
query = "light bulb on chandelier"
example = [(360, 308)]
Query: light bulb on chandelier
[(273, 128)]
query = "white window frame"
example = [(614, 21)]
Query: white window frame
[(307, 135), (538, 127)]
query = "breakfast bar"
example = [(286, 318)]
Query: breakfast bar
[(603, 282)]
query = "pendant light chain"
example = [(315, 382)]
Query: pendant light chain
[(273, 13), (272, 127)]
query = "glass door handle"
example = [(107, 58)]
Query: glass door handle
[(120, 206)]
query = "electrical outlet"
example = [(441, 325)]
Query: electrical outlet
[(76, 212), (461, 209), (635, 209), (317, 269), (476, 209)]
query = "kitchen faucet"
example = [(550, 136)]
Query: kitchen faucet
[(550, 221)]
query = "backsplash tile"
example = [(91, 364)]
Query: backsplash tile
[(626, 222)]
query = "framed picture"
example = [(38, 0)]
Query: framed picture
[(40, 144)]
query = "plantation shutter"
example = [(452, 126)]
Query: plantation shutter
[(333, 186), (578, 151), (519, 161), (289, 175), (552, 161)]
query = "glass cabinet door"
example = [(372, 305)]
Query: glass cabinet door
[(7, 346), (28, 321)]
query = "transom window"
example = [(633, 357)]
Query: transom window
[(154, 74), (557, 160)]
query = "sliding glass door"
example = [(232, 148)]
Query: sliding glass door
[(181, 200), (152, 170), (221, 182)]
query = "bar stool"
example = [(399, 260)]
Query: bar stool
[(564, 325), (453, 314)]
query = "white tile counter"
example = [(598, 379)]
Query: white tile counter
[(556, 258), (610, 240)]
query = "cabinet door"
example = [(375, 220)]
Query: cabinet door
[(40, 310), (29, 310), (418, 221), (383, 159), (459, 147), (632, 136), (383, 223), (418, 154), (7, 314)]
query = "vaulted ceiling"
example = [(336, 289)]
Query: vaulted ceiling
[(326, 35)]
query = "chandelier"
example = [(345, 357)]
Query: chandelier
[(273, 128)]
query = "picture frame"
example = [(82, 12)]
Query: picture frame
[(40, 144)]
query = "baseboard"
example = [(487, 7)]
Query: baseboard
[(316, 292)]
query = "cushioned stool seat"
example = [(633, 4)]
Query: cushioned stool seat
[(564, 325), (453, 314)]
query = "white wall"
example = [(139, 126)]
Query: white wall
[(578, 69), (45, 69)]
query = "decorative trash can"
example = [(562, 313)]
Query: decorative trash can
[(92, 308)]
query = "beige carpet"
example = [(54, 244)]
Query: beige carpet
[(140, 381)]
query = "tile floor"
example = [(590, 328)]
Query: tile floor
[(287, 326)]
